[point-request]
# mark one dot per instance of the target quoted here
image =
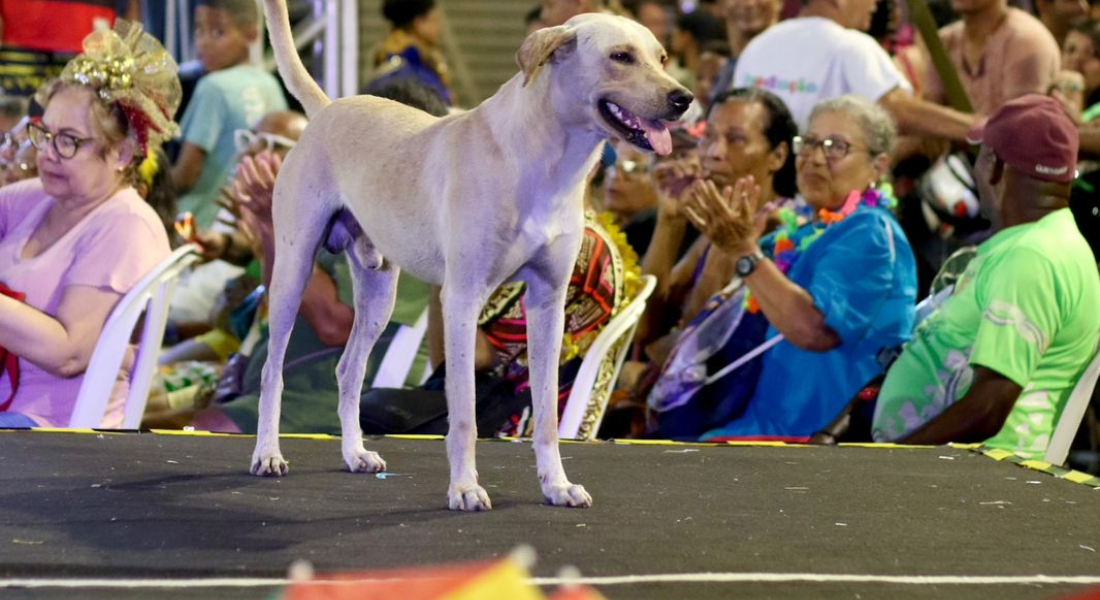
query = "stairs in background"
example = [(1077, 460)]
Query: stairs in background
[(480, 40), (372, 28), (486, 35)]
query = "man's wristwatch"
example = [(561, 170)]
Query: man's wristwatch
[(747, 264)]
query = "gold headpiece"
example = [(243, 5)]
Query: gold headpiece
[(131, 68)]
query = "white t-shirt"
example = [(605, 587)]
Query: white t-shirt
[(809, 59)]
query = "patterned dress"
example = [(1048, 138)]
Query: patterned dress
[(605, 277)]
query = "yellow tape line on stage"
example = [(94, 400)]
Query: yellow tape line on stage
[(1079, 477), (1039, 465), (639, 442), (994, 453), (191, 432), (308, 436), (67, 430), (434, 437), (883, 446), (1036, 465)]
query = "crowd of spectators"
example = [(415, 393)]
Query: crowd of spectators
[(816, 188)]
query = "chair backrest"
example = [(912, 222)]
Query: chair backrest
[(1070, 421), (401, 355), (931, 303), (150, 296), (596, 378)]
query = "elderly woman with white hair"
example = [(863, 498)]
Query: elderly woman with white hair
[(840, 288), (74, 240)]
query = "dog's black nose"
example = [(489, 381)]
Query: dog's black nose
[(679, 100)]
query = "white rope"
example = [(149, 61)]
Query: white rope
[(595, 581), (733, 366)]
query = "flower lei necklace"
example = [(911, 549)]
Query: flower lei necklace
[(793, 238)]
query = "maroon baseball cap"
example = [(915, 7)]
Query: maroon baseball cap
[(1031, 134)]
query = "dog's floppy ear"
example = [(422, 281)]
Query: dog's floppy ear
[(540, 45)]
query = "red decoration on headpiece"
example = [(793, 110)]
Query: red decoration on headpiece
[(141, 124), (129, 68)]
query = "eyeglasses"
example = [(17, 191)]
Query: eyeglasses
[(20, 168), (1067, 87), (246, 139), (65, 144), (630, 169), (834, 148)]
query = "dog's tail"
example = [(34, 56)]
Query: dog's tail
[(294, 73)]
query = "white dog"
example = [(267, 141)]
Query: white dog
[(467, 202)]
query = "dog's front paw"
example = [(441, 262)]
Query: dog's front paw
[(364, 461), (573, 496), (469, 499), (270, 465)]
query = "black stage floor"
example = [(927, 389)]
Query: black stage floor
[(164, 516)]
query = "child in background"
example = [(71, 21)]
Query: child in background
[(233, 95)]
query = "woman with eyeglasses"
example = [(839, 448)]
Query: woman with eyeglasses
[(17, 155), (75, 240), (630, 195), (840, 289), (15, 165), (747, 131)]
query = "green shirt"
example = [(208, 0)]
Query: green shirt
[(224, 101), (310, 392), (1027, 307), (1090, 113)]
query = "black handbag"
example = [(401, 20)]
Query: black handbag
[(423, 410)]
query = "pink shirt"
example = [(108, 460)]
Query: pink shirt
[(110, 249), (1021, 57)]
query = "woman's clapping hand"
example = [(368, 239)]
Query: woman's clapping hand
[(729, 218), (674, 178), (253, 189)]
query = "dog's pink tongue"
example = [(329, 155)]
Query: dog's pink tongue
[(657, 134)]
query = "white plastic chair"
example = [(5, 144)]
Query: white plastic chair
[(150, 296), (931, 303), (401, 354), (600, 369), (1070, 421)]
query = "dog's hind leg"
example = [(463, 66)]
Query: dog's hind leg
[(462, 302), (374, 282), (545, 303)]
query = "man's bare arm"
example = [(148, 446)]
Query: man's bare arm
[(977, 416), (914, 115)]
